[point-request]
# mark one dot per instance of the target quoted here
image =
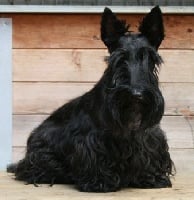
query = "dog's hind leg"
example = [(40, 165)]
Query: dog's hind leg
[(12, 168), (40, 167)]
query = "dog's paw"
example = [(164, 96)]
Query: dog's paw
[(153, 182), (162, 182), (97, 187)]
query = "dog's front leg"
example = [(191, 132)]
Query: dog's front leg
[(96, 184), (93, 168)]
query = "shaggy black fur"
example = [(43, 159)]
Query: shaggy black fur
[(110, 137)]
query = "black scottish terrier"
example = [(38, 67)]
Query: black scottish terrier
[(110, 137)]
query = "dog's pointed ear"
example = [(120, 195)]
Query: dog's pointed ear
[(112, 29), (152, 27)]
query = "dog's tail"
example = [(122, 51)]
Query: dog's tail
[(12, 168)]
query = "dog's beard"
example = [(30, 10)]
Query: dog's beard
[(132, 112), (135, 116)]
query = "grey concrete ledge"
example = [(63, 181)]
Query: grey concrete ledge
[(92, 9)]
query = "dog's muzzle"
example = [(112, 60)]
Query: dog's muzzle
[(134, 105)]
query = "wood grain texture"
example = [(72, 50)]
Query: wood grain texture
[(83, 31), (58, 65), (44, 97), (23, 126), (178, 129), (183, 159), (178, 98), (11, 189), (88, 65), (178, 66)]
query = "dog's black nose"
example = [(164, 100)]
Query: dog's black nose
[(137, 94)]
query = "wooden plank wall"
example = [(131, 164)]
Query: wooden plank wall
[(57, 57)]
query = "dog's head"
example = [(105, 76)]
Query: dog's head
[(131, 82)]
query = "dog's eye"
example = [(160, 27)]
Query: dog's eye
[(114, 82), (149, 58)]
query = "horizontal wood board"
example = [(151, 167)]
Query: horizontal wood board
[(83, 31), (44, 97), (81, 65), (179, 130)]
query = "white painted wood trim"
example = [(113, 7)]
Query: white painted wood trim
[(5, 92), (92, 9)]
